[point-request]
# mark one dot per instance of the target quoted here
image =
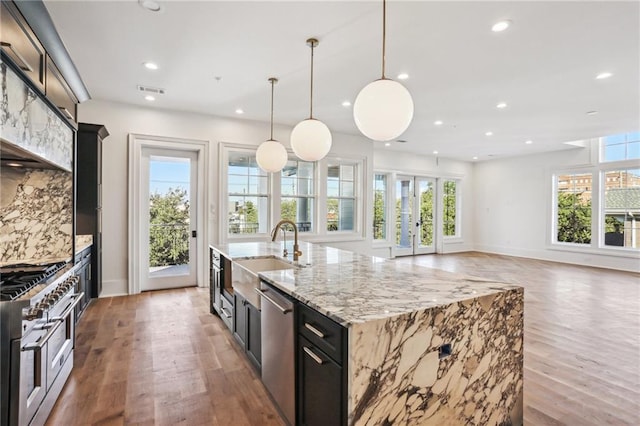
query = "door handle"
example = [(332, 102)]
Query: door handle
[(194, 234), (314, 330), (282, 309), (226, 314)]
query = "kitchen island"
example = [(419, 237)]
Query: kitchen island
[(425, 346)]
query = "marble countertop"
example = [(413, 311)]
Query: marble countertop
[(351, 288)]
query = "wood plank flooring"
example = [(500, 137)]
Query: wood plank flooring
[(581, 336), (160, 358)]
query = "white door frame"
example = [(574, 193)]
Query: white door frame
[(415, 248), (136, 143)]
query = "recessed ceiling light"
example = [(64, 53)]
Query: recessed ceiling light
[(500, 26), (150, 98), (15, 165), (438, 122), (435, 152), (475, 158), (401, 141), (489, 134), (239, 111), (150, 5), (501, 105), (150, 65), (603, 75), (403, 76), (387, 144), (592, 112), (528, 142), (346, 104)]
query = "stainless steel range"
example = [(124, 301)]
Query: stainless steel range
[(37, 337)]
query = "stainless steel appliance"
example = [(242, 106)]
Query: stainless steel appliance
[(37, 337), (278, 350)]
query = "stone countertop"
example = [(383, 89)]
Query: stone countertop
[(82, 242), (351, 288)]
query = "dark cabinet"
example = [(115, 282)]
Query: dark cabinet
[(59, 92), (321, 375), (83, 272), (247, 329), (89, 195), (21, 45)]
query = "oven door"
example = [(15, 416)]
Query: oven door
[(33, 372), (62, 341)]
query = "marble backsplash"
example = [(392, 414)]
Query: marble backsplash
[(36, 214), (28, 122), (407, 380)]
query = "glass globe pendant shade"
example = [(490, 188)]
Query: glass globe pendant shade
[(383, 110), (311, 140), (271, 156)]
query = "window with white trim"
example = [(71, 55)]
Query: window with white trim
[(379, 207), (573, 208), (450, 207), (247, 195), (341, 196), (297, 192), (621, 208), (620, 147)]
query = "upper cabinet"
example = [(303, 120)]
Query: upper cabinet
[(19, 42), (59, 93)]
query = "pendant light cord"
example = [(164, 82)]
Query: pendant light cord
[(273, 82), (311, 97), (384, 35)]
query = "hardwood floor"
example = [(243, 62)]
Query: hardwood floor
[(581, 336), (161, 358)]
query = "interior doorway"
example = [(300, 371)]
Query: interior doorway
[(415, 215)]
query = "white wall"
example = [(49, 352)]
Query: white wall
[(513, 204), (402, 163), (122, 119)]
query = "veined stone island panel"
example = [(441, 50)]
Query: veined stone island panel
[(399, 375)]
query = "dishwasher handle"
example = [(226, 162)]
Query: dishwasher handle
[(263, 293)]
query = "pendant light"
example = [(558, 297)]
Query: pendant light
[(383, 109), (271, 155), (311, 138)]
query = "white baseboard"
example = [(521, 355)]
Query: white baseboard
[(113, 288)]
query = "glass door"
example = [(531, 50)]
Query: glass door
[(415, 218), (170, 191)]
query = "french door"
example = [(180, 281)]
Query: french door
[(168, 208), (415, 215)]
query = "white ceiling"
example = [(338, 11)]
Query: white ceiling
[(543, 67)]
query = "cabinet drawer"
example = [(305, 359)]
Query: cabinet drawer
[(21, 44), (59, 92), (226, 313), (321, 331)]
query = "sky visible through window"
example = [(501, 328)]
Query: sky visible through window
[(625, 146), (165, 173)]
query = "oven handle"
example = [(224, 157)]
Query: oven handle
[(66, 313), (57, 323)]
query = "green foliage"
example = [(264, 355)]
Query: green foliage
[(333, 214), (612, 224), (169, 228), (288, 210), (449, 208), (574, 218), (379, 222), (426, 217)]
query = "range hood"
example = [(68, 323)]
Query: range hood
[(12, 155)]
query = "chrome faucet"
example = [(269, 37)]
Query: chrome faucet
[(296, 249)]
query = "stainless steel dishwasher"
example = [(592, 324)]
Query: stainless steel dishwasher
[(278, 350)]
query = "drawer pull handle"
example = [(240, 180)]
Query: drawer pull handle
[(313, 356), (225, 313), (314, 330), (24, 66)]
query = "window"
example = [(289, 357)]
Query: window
[(620, 147), (297, 194), (379, 207), (622, 208), (450, 208), (341, 197), (248, 195), (573, 208)]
